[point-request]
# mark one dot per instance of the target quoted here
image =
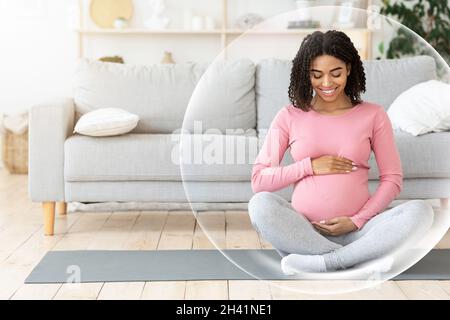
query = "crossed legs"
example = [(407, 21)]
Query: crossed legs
[(304, 247)]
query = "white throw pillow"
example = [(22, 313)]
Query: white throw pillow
[(106, 122), (422, 108)]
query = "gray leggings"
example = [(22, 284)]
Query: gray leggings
[(290, 232)]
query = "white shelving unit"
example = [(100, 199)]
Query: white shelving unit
[(226, 34)]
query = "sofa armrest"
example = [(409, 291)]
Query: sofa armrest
[(49, 126)]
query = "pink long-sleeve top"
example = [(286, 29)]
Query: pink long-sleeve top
[(309, 135)]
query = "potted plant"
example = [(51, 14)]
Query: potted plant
[(429, 19)]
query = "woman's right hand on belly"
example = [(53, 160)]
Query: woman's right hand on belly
[(332, 165)]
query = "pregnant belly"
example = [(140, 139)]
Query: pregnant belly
[(322, 197)]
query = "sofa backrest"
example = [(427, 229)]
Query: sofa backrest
[(160, 93), (385, 80), (232, 94)]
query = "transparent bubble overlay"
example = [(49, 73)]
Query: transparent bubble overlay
[(370, 274)]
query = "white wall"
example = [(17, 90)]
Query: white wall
[(38, 50)]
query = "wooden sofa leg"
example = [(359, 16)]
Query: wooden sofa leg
[(444, 203), (62, 208), (49, 217)]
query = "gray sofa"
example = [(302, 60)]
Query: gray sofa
[(226, 121)]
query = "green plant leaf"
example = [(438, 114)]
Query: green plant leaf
[(381, 47), (429, 19)]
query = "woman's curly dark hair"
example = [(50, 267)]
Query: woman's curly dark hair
[(333, 43)]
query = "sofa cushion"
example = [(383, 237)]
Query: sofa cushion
[(271, 88), (422, 108), (385, 80), (137, 157), (224, 98), (106, 122), (159, 94), (424, 156)]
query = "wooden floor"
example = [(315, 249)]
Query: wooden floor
[(22, 245)]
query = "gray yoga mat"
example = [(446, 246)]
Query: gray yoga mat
[(128, 266)]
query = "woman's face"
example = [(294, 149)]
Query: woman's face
[(328, 77)]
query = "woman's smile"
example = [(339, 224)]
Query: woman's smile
[(328, 92)]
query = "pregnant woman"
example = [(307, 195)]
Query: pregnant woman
[(333, 222)]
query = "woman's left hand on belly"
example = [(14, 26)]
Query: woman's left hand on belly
[(336, 226)]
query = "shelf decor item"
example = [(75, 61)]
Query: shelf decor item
[(304, 16), (345, 16), (210, 24), (198, 22), (120, 23), (167, 58), (248, 20), (303, 24), (158, 20), (105, 12), (114, 59)]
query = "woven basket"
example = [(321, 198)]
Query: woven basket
[(15, 152)]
